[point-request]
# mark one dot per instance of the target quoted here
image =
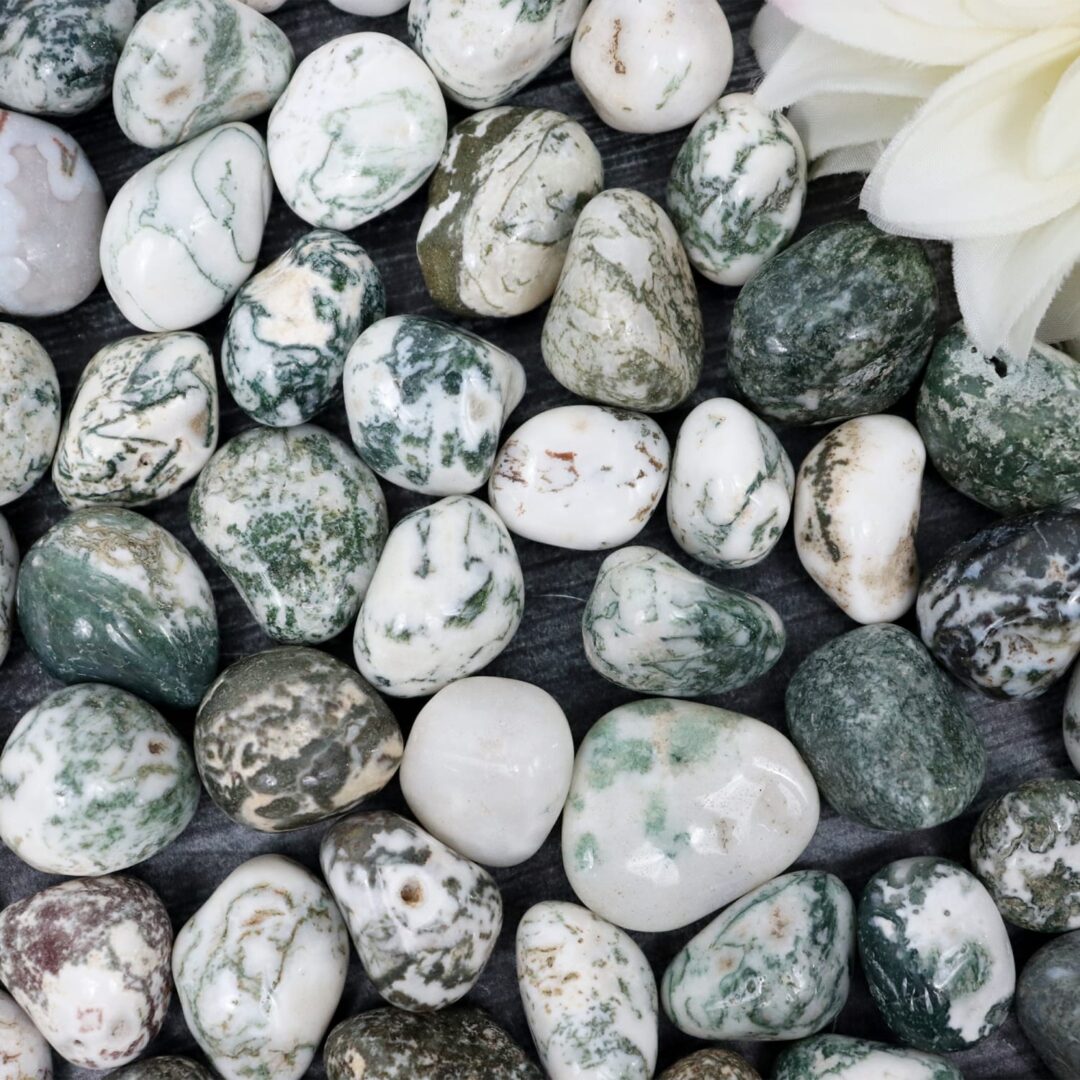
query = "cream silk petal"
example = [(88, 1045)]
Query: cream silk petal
[(1062, 321), (1055, 134), (770, 34), (830, 121), (1025, 14), (954, 14), (846, 159)]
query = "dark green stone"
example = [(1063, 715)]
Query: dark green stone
[(838, 1057), (711, 1064), (164, 1068), (1048, 1005)]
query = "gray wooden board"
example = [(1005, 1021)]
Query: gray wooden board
[(1023, 740)]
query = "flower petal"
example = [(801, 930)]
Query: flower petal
[(1027, 14), (1055, 134), (770, 34), (847, 159), (829, 121)]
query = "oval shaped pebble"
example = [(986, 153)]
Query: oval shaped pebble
[(292, 325), (1048, 1004), (624, 327), (589, 995), (447, 597), (711, 1064), (884, 731), (106, 595), (9, 571), (501, 208), (89, 962), (652, 67), (651, 626), (183, 234), (289, 737), (23, 1052), (296, 522), (1070, 728), (143, 423), (711, 802), (857, 502), (737, 189), (935, 953), (999, 610), (580, 477), (260, 968), (774, 965), (426, 402), (360, 127), (369, 7), (838, 325), (487, 768), (164, 1068), (838, 1057), (54, 211), (190, 65), (1026, 850), (423, 919)]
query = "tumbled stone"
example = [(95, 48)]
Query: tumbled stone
[(9, 571), (370, 7), (164, 1068), (839, 1057), (711, 1064), (1070, 728), (24, 1054), (1048, 1004)]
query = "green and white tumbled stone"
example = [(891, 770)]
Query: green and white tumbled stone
[(999, 610), (651, 626), (501, 207), (935, 953), (289, 737), (838, 325), (447, 597), (624, 327), (29, 412), (839, 1057), (183, 234), (24, 1053), (190, 65), (292, 325), (424, 919), (589, 995), (774, 965), (260, 968), (737, 189), (711, 1064), (360, 127), (164, 1068), (106, 595), (1048, 1004), (884, 731), (9, 572), (143, 423), (1070, 727), (712, 803), (296, 521), (93, 780), (426, 402)]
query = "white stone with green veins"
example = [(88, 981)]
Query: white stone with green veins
[(9, 572), (24, 1053), (29, 411)]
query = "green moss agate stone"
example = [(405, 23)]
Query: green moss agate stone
[(1048, 1004), (838, 1057), (164, 1068), (774, 965), (1070, 726), (107, 595), (711, 1064), (650, 625), (935, 953), (9, 571), (883, 730), (839, 325)]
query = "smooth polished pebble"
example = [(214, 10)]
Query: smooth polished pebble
[(24, 1053), (487, 768), (1070, 727), (373, 8), (839, 1057), (1048, 1004), (164, 1068), (260, 968), (264, 6), (711, 1064), (9, 572)]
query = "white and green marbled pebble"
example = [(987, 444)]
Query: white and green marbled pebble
[(624, 327), (426, 403), (29, 412), (24, 1053), (296, 521), (292, 325), (839, 1057), (163, 1068), (1070, 725), (9, 572)]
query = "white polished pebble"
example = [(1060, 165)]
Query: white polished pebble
[(371, 8), (1071, 726), (24, 1054), (9, 572), (264, 6), (487, 767)]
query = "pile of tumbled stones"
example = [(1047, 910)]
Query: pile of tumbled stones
[(672, 810)]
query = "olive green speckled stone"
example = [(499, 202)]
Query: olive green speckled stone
[(711, 1064), (164, 1068), (1048, 1004), (838, 1057)]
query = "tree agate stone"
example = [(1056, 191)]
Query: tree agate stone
[(9, 571), (296, 522), (883, 730), (1048, 1004), (501, 208), (1070, 728), (106, 595), (24, 1054), (292, 325), (164, 1068), (711, 1064), (838, 1057), (651, 626), (838, 325), (289, 737)]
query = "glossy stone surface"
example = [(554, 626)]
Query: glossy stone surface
[(260, 968), (289, 737), (501, 208), (774, 965), (106, 595), (103, 941), (838, 325), (360, 127), (29, 411), (423, 919), (999, 610), (164, 1068), (143, 423), (935, 953), (297, 522), (447, 597), (884, 731), (580, 477), (677, 808), (711, 1064), (1070, 728), (624, 327), (737, 189), (9, 570), (24, 1054), (292, 325), (487, 768), (838, 1057), (370, 7), (426, 402), (651, 626), (1048, 1004)]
